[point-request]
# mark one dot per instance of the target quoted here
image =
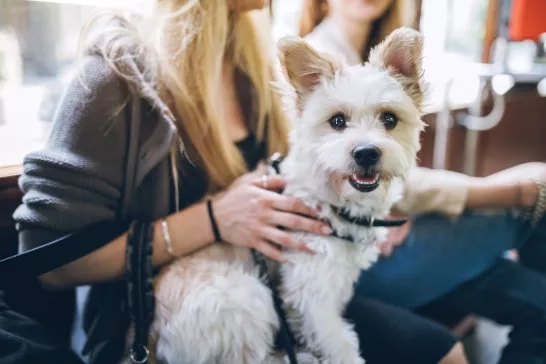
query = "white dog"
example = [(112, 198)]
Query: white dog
[(355, 136)]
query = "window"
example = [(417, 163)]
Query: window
[(38, 45), (454, 27)]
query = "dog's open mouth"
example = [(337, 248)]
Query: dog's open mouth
[(364, 182)]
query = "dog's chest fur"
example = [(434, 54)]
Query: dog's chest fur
[(330, 274)]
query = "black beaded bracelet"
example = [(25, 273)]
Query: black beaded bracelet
[(216, 232)]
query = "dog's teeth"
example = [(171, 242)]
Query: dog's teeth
[(363, 180)]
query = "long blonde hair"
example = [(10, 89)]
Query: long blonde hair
[(398, 14), (181, 48)]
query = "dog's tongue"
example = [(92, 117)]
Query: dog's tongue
[(360, 178)]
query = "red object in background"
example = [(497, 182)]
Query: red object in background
[(527, 19)]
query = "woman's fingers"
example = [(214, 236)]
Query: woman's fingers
[(269, 251), (285, 239), (293, 205), (299, 223), (272, 183), (385, 248)]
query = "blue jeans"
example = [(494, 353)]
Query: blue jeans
[(460, 266)]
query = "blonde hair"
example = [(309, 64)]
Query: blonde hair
[(397, 15), (180, 51)]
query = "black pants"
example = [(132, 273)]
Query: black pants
[(512, 294), (392, 335), (38, 330)]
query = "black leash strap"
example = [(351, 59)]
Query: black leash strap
[(286, 339), (285, 336), (140, 287)]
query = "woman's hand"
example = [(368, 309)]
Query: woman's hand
[(396, 236), (250, 214)]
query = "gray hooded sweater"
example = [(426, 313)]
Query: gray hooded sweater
[(76, 179)]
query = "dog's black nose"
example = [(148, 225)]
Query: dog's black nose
[(366, 155)]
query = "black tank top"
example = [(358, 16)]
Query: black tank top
[(193, 180)]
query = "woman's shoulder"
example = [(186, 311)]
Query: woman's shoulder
[(320, 37), (326, 37)]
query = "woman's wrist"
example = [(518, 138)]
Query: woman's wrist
[(188, 230), (528, 192), (212, 220)]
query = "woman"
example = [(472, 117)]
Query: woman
[(452, 251), (202, 72)]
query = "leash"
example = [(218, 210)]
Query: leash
[(285, 338)]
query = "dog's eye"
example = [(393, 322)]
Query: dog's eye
[(338, 121), (389, 120)]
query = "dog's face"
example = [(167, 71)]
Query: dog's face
[(357, 125)]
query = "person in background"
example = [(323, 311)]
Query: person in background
[(201, 72), (451, 255)]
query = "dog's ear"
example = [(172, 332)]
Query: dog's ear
[(402, 54), (304, 66)]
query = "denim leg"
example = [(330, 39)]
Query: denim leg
[(508, 294), (533, 252), (439, 255)]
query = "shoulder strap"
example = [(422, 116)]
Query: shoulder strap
[(73, 246), (131, 161)]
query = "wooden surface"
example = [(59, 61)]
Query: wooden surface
[(517, 139)]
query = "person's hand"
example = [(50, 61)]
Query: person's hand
[(395, 237), (249, 213)]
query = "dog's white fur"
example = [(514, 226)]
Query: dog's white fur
[(212, 306)]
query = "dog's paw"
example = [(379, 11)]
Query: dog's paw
[(306, 358)]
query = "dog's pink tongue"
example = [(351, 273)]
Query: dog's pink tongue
[(365, 179)]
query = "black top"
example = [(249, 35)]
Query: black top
[(193, 180)]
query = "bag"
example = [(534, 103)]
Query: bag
[(22, 338)]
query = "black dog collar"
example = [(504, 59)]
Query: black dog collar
[(366, 221)]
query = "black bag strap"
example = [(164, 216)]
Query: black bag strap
[(75, 245), (140, 292), (57, 253)]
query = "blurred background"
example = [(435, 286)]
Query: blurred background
[(485, 61), (470, 49)]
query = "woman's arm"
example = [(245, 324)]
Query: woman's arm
[(76, 180), (449, 193), (512, 187), (246, 215), (192, 232), (495, 194)]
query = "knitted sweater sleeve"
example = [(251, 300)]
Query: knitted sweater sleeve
[(76, 179)]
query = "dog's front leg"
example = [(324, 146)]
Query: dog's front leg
[(329, 336)]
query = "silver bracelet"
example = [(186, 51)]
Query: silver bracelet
[(540, 204), (167, 237)]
